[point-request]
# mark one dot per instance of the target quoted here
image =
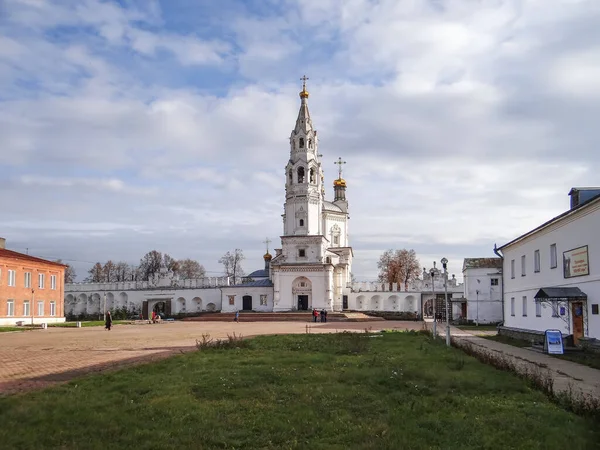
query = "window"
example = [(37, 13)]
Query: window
[(40, 308), (302, 253), (10, 308), (523, 271), (512, 306), (494, 281), (263, 299), (301, 222), (12, 278), (524, 306), (291, 174), (26, 308), (27, 279), (53, 282), (512, 268), (41, 280), (536, 261), (52, 308), (553, 260), (554, 308), (231, 299), (300, 174), (301, 141), (538, 309), (336, 240)]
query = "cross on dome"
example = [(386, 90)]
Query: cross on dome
[(339, 162), (304, 93), (267, 241)]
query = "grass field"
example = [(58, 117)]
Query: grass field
[(340, 391), (6, 329)]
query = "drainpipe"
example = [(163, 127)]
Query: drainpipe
[(497, 252)]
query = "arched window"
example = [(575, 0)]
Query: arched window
[(312, 175), (291, 173), (301, 142), (300, 174), (301, 222), (310, 143)]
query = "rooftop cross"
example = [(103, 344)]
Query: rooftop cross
[(339, 162), (267, 241), (303, 79)]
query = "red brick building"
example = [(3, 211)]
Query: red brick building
[(31, 289)]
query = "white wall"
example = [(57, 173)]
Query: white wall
[(385, 301), (241, 291), (484, 301), (573, 231), (321, 295), (12, 321)]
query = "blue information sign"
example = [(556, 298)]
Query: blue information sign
[(553, 343)]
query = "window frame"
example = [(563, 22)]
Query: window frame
[(43, 308), (10, 308), (553, 256), (41, 281), (512, 269), (523, 265), (524, 300), (53, 282), (492, 280), (512, 306), (26, 308), (536, 262), (52, 308), (538, 309), (12, 278), (27, 279), (301, 253)]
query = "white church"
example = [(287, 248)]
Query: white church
[(310, 270)]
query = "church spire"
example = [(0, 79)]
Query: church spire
[(303, 122)]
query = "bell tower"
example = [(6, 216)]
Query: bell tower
[(304, 176)]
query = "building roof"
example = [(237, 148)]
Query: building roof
[(560, 293), (567, 213), (262, 273), (328, 206), (257, 283), (482, 263), (4, 253)]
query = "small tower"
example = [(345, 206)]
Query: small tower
[(339, 188), (267, 256)]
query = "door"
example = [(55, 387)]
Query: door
[(345, 302), (577, 311), (463, 310), (168, 308), (145, 310), (302, 302), (247, 303)]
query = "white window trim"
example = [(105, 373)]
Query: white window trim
[(52, 308), (553, 257), (41, 280), (26, 311), (538, 309), (10, 308), (523, 265), (512, 306), (12, 278), (27, 279), (536, 261), (512, 269), (524, 306), (53, 282), (40, 303)]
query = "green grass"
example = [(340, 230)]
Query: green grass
[(508, 340), (91, 323), (6, 329), (341, 391)]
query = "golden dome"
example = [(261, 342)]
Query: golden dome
[(267, 256), (340, 182), (303, 93)]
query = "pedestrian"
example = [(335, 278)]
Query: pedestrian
[(315, 314), (324, 315), (108, 322), (237, 316)]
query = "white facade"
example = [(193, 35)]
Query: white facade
[(535, 261), (312, 268), (483, 290)]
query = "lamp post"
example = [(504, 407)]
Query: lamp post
[(104, 307), (432, 273), (445, 266)]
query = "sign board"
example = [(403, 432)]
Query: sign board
[(553, 343), (575, 262)]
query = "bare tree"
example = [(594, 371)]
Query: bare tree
[(110, 271), (232, 263), (96, 274), (122, 270), (190, 269), (150, 264), (70, 274), (398, 266), (170, 263)]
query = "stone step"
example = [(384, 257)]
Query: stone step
[(280, 317)]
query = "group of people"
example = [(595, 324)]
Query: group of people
[(322, 314)]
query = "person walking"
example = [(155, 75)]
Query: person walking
[(315, 314), (237, 316), (108, 323), (324, 315)]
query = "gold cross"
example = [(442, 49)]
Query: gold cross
[(267, 241), (303, 79), (339, 162)]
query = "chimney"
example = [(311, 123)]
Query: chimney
[(2, 242)]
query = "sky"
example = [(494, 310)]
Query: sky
[(133, 125)]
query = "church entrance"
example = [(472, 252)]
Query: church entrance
[(302, 302), (247, 303), (302, 291)]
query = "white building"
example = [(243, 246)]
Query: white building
[(552, 275), (483, 291)]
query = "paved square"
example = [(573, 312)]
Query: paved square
[(36, 359)]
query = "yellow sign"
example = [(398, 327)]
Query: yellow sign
[(575, 262)]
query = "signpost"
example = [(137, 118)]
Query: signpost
[(553, 343)]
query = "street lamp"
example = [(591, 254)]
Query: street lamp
[(105, 306), (445, 266), (432, 273)]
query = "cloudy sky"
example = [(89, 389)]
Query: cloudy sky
[(133, 125)]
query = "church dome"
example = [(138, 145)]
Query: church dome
[(303, 93), (267, 256), (339, 182)]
